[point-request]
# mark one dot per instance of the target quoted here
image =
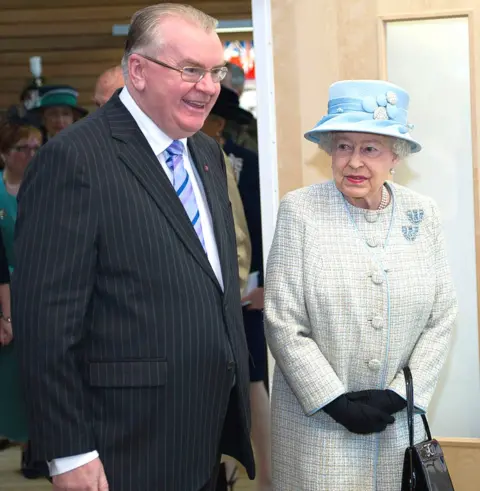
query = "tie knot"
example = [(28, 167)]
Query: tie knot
[(175, 148)]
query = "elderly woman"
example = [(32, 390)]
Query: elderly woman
[(357, 287)]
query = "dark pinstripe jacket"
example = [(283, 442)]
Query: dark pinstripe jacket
[(122, 329)]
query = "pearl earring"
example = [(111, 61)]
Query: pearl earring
[(392, 171)]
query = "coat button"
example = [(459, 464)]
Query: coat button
[(374, 365), (372, 242), (377, 322), (377, 278), (371, 217), (230, 366)]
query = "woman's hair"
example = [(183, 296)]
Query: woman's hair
[(12, 132), (401, 148), (145, 27)]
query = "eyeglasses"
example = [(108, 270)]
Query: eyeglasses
[(193, 74), (347, 150), (26, 149)]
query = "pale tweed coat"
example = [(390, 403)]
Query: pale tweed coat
[(337, 321)]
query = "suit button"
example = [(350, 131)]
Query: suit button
[(230, 366), (374, 365), (371, 217)]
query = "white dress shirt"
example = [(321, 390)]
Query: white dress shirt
[(159, 142)]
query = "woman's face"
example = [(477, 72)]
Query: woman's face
[(361, 163), (19, 156), (213, 126), (57, 118)]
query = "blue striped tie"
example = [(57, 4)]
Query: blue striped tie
[(183, 186)]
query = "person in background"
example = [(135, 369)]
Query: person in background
[(28, 99), (57, 105), (6, 332), (245, 165), (12, 429), (108, 82), (19, 141), (357, 287), (235, 79), (139, 379), (242, 133)]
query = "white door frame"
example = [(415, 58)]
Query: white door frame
[(267, 125)]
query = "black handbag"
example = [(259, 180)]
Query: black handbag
[(424, 466)]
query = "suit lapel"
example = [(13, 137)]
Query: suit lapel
[(135, 152), (206, 169)]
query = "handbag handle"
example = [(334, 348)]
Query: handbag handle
[(410, 405)]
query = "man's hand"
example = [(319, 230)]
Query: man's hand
[(88, 477)]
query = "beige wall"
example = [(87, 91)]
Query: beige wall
[(312, 51), (317, 42), (463, 460)]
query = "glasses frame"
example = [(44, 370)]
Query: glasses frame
[(223, 69), (25, 149)]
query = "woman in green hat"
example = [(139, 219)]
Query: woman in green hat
[(58, 107)]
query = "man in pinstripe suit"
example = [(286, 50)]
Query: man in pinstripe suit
[(126, 305)]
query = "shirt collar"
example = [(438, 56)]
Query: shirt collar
[(156, 138)]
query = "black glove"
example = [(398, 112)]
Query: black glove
[(384, 400), (358, 417)]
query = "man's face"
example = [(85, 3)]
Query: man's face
[(179, 108)]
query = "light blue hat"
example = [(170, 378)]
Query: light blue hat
[(366, 106)]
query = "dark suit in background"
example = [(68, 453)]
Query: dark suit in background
[(127, 343)]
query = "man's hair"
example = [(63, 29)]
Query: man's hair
[(145, 26)]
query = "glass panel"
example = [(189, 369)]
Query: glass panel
[(430, 59)]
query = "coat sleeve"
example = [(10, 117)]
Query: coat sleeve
[(430, 352), (52, 285), (244, 246), (287, 326)]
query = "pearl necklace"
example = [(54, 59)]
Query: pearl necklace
[(385, 198)]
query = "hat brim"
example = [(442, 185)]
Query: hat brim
[(231, 112), (370, 126), (79, 110)]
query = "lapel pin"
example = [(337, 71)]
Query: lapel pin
[(206, 168)]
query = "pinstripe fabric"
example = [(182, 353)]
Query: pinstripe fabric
[(122, 328)]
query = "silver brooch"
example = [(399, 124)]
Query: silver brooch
[(410, 232), (415, 216)]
